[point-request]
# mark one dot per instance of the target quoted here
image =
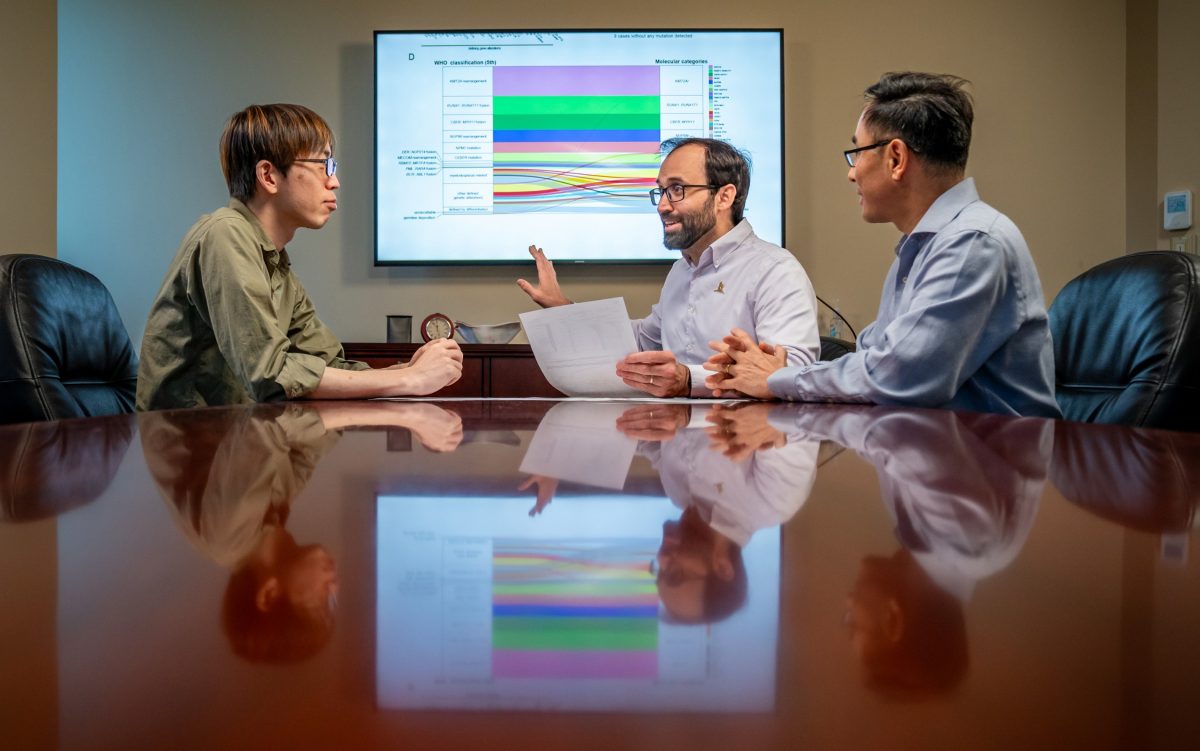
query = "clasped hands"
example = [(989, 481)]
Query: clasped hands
[(741, 366)]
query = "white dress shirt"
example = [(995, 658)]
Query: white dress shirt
[(735, 498), (740, 281)]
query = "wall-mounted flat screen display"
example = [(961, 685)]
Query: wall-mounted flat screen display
[(488, 141)]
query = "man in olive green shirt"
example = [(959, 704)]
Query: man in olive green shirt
[(232, 322)]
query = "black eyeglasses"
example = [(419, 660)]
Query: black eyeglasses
[(851, 153), (676, 192), (330, 165)]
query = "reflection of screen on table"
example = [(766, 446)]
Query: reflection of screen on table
[(481, 606), (488, 141)]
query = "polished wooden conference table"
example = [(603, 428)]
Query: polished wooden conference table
[(595, 575)]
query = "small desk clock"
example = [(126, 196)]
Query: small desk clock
[(437, 326)]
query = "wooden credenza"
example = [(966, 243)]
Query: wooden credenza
[(489, 370)]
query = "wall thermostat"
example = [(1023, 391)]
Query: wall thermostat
[(1177, 210)]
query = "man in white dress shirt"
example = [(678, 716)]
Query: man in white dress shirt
[(726, 498), (728, 276)]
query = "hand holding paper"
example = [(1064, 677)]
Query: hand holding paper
[(577, 346)]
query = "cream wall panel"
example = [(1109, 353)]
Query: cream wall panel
[(28, 68)]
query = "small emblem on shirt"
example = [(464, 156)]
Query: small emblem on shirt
[(720, 288)]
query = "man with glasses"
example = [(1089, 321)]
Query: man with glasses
[(962, 319), (232, 323), (728, 276)]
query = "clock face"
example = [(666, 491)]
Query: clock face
[(437, 326)]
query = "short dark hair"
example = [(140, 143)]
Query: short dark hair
[(724, 164), (282, 634), (278, 133), (723, 598), (931, 656), (932, 113)]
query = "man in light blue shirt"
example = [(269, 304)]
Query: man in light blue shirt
[(728, 277), (962, 319)]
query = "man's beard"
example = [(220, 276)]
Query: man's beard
[(692, 226)]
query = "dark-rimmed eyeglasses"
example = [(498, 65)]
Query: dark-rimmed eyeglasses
[(675, 193), (329, 162), (852, 154)]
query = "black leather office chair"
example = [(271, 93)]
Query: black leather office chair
[(63, 349), (832, 349), (1126, 337)]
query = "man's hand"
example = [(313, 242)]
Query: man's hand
[(657, 373), (426, 347), (545, 491), (654, 422), (435, 365), (416, 355), (739, 431), (437, 429), (546, 293), (741, 366)]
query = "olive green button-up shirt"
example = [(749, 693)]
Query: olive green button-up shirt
[(232, 323), (224, 481)]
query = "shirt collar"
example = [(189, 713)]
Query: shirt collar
[(271, 255), (727, 243), (947, 206), (940, 213)]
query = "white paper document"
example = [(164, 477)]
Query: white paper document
[(578, 346), (578, 442)]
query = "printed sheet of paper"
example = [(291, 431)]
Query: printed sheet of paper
[(576, 441), (578, 346)]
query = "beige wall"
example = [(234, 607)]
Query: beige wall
[(146, 85), (1141, 125), (1178, 107), (28, 70)]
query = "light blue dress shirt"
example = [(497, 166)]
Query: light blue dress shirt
[(739, 281), (961, 325), (963, 490)]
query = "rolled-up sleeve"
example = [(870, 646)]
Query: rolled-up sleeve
[(310, 336)]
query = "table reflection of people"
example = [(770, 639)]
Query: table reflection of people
[(230, 478), (725, 497), (962, 490)]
